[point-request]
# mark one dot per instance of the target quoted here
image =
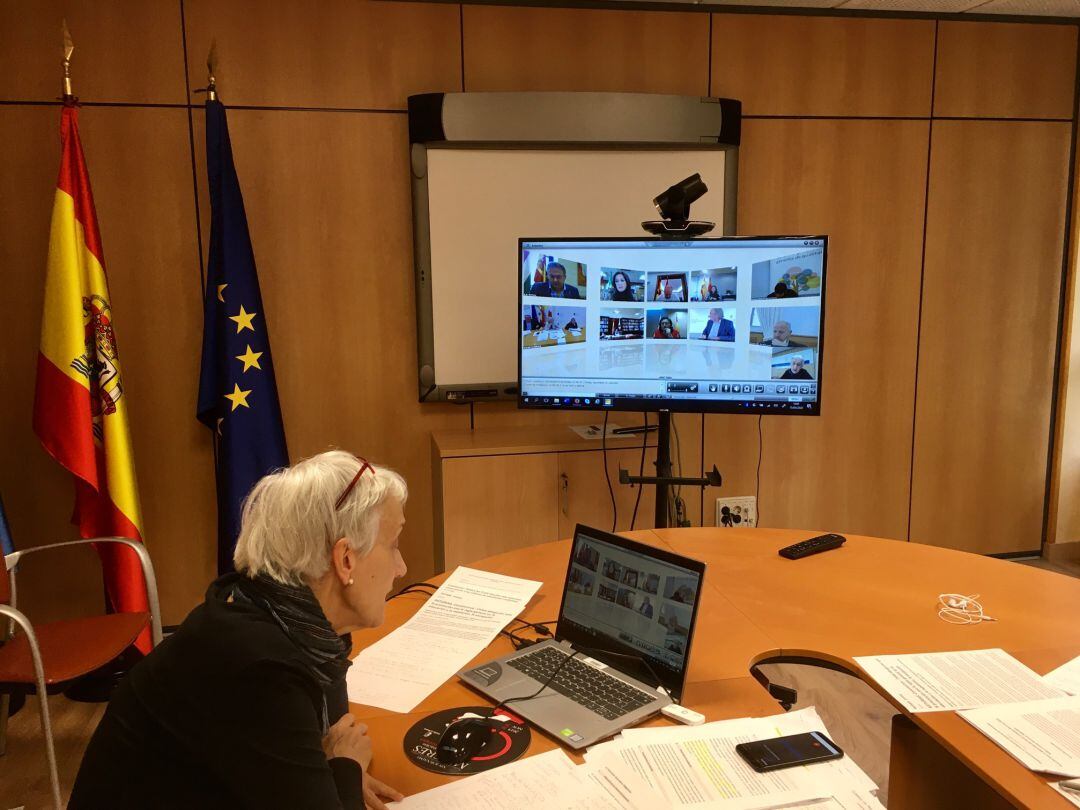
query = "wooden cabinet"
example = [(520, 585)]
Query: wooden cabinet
[(583, 489), (502, 489)]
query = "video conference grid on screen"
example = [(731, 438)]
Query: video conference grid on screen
[(609, 323), (638, 601)]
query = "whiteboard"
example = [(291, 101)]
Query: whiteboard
[(480, 201)]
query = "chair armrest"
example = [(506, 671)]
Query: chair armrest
[(12, 560)]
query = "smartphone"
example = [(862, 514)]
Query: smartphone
[(784, 752)]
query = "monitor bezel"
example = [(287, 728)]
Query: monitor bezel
[(640, 405), (564, 633)]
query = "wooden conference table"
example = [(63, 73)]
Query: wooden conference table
[(870, 597)]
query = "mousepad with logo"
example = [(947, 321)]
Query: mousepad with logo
[(509, 740)]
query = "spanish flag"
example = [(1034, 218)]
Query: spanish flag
[(80, 411)]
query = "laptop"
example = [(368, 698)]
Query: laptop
[(626, 622)]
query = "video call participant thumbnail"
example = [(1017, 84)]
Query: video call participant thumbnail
[(622, 285), (785, 327), (668, 286), (622, 324), (555, 286), (714, 285), (666, 329), (781, 336), (666, 324), (545, 325), (795, 276), (793, 364), (797, 371), (549, 277), (718, 327)]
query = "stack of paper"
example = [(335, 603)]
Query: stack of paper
[(646, 769), (1032, 718), (698, 766), (548, 780), (459, 620), (1066, 677), (944, 681), (1042, 734)]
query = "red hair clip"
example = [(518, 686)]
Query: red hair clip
[(363, 468)]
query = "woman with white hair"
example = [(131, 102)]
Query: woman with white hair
[(244, 705)]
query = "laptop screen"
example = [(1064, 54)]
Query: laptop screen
[(627, 598)]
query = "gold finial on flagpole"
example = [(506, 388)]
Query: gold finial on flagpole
[(211, 63), (69, 48)]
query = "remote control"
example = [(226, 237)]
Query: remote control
[(814, 545)]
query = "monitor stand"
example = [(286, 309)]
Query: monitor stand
[(663, 478)]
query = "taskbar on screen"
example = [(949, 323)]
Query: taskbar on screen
[(642, 402)]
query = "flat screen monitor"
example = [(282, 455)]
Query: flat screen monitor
[(725, 325)]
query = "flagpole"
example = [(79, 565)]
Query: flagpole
[(69, 48), (211, 82), (211, 95)]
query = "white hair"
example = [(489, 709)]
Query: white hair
[(289, 524)]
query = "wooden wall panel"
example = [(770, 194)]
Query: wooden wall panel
[(862, 183), (789, 65), (140, 170), (994, 236), (147, 210), (333, 243), (1064, 523), (337, 53), (1005, 70), (125, 50), (520, 48)]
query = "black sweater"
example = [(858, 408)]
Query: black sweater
[(222, 714)]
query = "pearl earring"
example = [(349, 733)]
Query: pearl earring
[(350, 581)]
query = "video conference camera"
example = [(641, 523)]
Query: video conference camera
[(674, 206)]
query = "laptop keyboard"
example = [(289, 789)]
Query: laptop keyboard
[(597, 691)]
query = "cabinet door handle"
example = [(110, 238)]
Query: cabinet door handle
[(564, 493)]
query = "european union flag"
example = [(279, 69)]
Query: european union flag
[(237, 390), (6, 546)]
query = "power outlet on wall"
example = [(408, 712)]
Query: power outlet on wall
[(736, 513)]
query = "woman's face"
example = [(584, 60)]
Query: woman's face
[(665, 325), (620, 282), (375, 572)]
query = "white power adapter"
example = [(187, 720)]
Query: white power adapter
[(681, 714)]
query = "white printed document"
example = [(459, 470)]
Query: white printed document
[(936, 682), (459, 620), (698, 767), (549, 781), (1066, 677), (647, 769), (1044, 735)]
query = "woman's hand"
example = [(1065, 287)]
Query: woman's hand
[(349, 739), (375, 791)]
